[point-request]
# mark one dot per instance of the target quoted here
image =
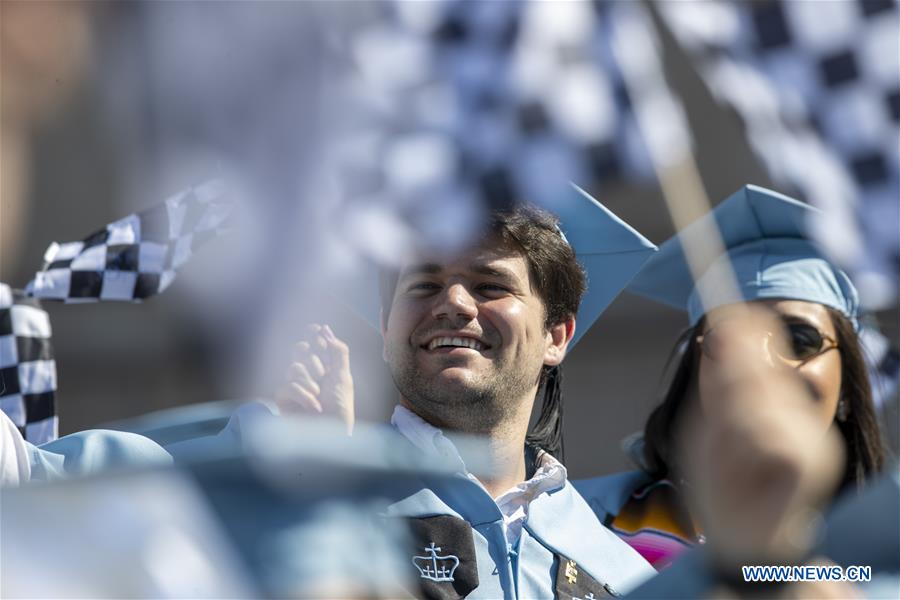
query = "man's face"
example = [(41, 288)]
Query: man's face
[(465, 338)]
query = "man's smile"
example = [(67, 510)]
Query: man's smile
[(449, 342)]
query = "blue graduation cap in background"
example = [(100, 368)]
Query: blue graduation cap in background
[(610, 250), (766, 242)]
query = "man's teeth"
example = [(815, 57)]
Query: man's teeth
[(458, 342)]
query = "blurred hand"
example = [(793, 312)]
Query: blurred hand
[(319, 379), (757, 461)]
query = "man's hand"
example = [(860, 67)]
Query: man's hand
[(319, 379)]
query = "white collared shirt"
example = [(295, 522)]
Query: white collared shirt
[(514, 502)]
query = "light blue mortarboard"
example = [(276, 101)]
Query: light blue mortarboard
[(610, 251), (770, 253)]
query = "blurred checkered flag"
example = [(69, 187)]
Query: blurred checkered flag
[(27, 368), (129, 260), (817, 86), (135, 257), (484, 104)]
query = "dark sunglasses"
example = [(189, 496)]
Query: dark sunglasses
[(804, 342)]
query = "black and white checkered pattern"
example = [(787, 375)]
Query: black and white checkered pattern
[(883, 362), (487, 103), (27, 368), (129, 260), (817, 85), (135, 257)]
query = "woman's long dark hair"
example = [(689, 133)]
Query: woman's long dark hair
[(860, 430), (665, 420)]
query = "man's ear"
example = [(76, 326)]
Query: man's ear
[(559, 336)]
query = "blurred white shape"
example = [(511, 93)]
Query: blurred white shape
[(534, 71), (713, 21), (125, 231), (583, 105), (176, 563), (879, 52), (144, 534), (390, 59), (449, 218), (15, 460), (420, 17), (832, 189), (664, 127), (878, 288), (556, 23), (343, 551), (660, 117), (823, 26), (376, 229), (416, 161)]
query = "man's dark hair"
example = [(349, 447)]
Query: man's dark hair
[(556, 277)]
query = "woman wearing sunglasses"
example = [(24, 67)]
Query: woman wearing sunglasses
[(813, 331)]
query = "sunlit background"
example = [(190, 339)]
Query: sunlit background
[(350, 130)]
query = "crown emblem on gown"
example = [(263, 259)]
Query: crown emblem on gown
[(435, 567)]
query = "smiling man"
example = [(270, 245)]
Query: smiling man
[(472, 342)]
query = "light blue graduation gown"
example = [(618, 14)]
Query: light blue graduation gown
[(559, 524), (607, 495), (93, 451)]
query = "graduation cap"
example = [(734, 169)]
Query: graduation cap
[(767, 246), (610, 251)]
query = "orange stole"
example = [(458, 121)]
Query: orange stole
[(656, 523)]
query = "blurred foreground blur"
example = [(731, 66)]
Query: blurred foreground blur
[(350, 133)]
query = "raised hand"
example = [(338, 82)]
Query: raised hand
[(319, 379), (758, 464)]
